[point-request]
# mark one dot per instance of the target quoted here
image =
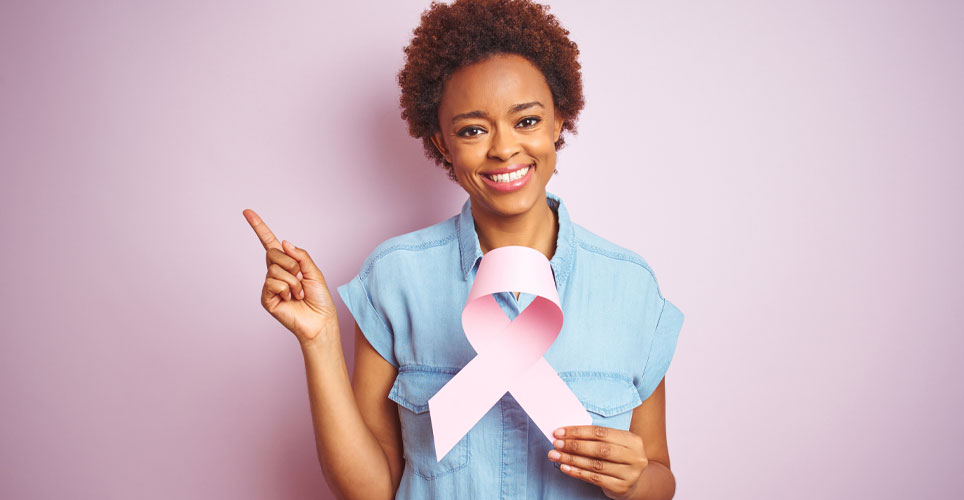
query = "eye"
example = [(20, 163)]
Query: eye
[(529, 121), (470, 131)]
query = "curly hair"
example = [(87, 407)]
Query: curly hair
[(469, 31)]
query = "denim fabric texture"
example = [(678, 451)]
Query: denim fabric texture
[(617, 340)]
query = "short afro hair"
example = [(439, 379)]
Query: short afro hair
[(469, 31)]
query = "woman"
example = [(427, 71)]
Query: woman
[(490, 87)]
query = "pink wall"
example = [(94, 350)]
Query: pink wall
[(792, 173)]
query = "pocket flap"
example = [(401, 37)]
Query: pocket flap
[(414, 386), (606, 394)]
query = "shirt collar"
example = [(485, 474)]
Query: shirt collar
[(561, 261)]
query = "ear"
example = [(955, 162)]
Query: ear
[(556, 125), (440, 145)]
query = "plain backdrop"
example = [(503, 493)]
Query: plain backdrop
[(792, 171)]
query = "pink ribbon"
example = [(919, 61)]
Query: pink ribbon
[(509, 353)]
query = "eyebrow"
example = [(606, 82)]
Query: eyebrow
[(481, 114)]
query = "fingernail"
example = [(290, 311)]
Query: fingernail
[(302, 294), (559, 443), (565, 467), (554, 455), (559, 432)]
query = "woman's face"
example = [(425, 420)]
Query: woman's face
[(494, 115)]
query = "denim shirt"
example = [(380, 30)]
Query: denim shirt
[(616, 343)]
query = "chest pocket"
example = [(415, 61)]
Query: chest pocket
[(609, 397), (413, 387)]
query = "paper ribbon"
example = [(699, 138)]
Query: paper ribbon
[(509, 353)]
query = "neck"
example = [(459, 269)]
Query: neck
[(538, 228)]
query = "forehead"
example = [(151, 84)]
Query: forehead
[(494, 84)]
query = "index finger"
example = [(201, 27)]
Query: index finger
[(589, 432), (267, 238)]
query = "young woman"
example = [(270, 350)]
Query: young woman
[(490, 87)]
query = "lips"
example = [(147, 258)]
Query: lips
[(508, 170), (509, 182)]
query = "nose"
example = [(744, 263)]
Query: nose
[(505, 143)]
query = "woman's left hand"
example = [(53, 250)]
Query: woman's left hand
[(612, 459)]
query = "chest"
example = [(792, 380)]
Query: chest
[(600, 353)]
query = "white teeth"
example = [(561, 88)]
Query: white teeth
[(518, 174)]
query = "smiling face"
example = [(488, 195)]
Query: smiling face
[(498, 116)]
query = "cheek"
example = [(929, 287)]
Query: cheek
[(469, 154), (544, 145), (547, 136)]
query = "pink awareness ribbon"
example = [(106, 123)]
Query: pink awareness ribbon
[(509, 353)]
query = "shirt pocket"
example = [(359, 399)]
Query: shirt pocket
[(609, 397), (413, 387)]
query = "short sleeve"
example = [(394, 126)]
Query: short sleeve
[(663, 346), (362, 303)]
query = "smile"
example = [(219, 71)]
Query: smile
[(509, 181), (509, 177)]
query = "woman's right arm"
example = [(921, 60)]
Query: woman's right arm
[(356, 428), (356, 425)]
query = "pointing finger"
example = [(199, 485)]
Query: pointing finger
[(267, 238)]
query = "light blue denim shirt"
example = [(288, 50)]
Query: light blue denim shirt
[(616, 343)]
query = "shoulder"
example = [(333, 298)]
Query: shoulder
[(410, 249), (611, 259)]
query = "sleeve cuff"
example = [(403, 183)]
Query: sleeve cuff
[(664, 345), (356, 297)]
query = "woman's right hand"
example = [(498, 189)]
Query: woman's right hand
[(294, 291)]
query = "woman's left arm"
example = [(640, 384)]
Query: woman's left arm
[(627, 465)]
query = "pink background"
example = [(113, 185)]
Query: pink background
[(791, 171)]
